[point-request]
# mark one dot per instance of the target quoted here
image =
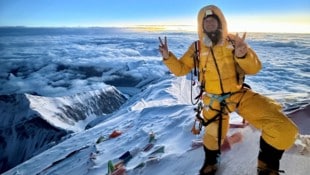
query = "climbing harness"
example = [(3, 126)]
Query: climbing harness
[(221, 99), (218, 117)]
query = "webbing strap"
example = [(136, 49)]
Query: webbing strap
[(220, 127), (219, 98), (219, 115), (196, 58), (196, 73), (217, 69)]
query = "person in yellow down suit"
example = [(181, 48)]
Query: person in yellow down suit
[(222, 61)]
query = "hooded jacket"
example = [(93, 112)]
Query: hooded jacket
[(219, 71)]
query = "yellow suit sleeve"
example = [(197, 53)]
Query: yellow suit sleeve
[(182, 66), (250, 64)]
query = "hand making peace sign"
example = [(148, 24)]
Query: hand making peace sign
[(241, 47), (163, 48)]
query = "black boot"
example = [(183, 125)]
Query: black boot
[(268, 159), (209, 166)]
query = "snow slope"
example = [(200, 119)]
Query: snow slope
[(72, 64), (31, 124), (74, 112), (167, 113)]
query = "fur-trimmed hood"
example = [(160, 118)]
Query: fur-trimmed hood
[(207, 10)]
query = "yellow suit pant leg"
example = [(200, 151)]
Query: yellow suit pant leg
[(265, 114), (210, 138)]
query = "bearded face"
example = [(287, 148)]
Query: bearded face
[(211, 26)]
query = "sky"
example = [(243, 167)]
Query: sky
[(264, 15)]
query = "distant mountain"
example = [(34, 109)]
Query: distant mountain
[(31, 124)]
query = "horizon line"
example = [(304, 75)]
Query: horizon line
[(155, 27)]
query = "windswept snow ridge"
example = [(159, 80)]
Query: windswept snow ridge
[(32, 124), (159, 111)]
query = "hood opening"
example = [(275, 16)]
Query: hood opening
[(206, 12)]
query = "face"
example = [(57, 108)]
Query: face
[(210, 24)]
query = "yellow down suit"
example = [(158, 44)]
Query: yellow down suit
[(218, 74)]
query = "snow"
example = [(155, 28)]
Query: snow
[(170, 121), (32, 124), (53, 109), (72, 68)]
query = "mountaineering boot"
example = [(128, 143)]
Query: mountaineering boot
[(268, 159), (262, 169), (208, 170), (209, 166)]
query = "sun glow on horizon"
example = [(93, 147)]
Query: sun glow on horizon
[(268, 27), (237, 26), (269, 23), (156, 28), (261, 24)]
